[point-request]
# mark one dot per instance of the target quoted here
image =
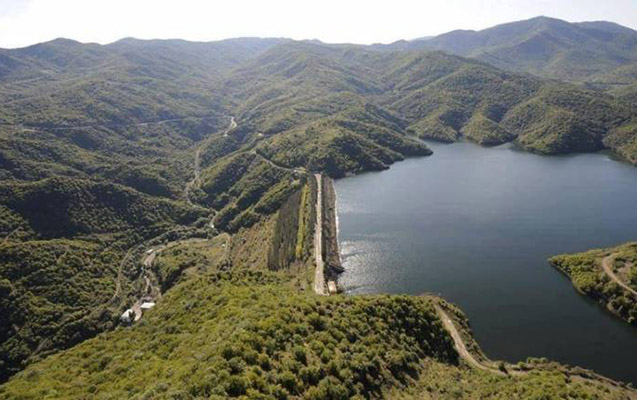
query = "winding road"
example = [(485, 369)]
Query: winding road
[(233, 125), (460, 346), (512, 370), (193, 181), (197, 163), (295, 170), (118, 280), (607, 266)]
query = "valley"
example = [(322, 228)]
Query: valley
[(200, 181)]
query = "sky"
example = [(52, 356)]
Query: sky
[(26, 22)]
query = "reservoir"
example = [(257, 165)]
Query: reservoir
[(477, 225)]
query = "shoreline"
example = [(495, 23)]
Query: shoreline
[(338, 226), (331, 247), (602, 298), (613, 368)]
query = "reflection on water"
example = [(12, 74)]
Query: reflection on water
[(477, 225)]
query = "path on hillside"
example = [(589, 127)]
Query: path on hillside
[(195, 179), (295, 170), (233, 125), (319, 275), (512, 370), (608, 270), (460, 346), (197, 163), (118, 280), (151, 290)]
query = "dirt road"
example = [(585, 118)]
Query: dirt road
[(461, 348), (319, 276), (197, 163), (118, 280), (297, 170), (233, 125), (607, 266), (197, 171)]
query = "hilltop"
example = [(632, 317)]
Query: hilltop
[(599, 53)]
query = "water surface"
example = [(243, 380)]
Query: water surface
[(477, 225)]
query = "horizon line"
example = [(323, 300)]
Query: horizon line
[(424, 37)]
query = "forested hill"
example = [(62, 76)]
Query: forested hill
[(70, 89), (600, 53), (437, 95), (107, 151)]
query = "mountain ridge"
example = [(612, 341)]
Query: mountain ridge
[(543, 46), (137, 143)]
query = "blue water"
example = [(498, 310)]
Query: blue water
[(477, 225)]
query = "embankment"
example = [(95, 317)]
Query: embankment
[(331, 253), (291, 241)]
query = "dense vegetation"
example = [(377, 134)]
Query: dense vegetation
[(63, 207), (266, 339), (361, 139), (84, 156), (185, 256), (251, 335), (97, 144), (600, 54), (585, 270), (624, 140), (53, 294), (65, 272), (312, 104), (244, 187)]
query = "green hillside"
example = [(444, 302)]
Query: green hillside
[(361, 138), (623, 140), (433, 95), (66, 270), (585, 52), (111, 155), (55, 293), (587, 270), (251, 335), (76, 207)]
